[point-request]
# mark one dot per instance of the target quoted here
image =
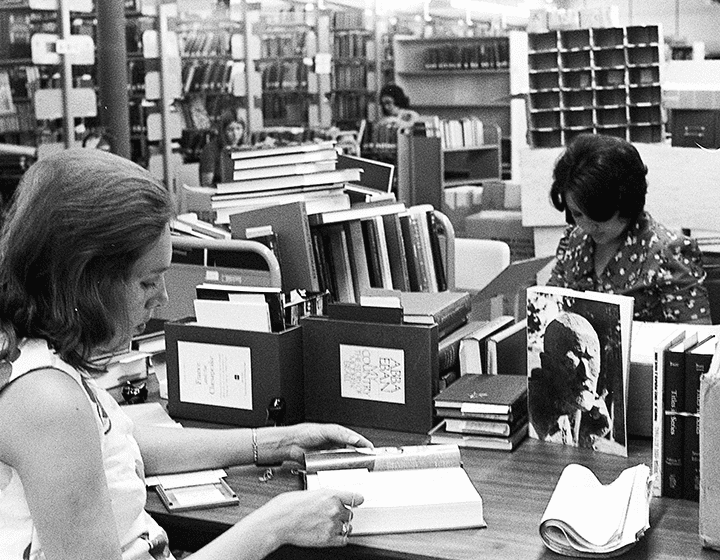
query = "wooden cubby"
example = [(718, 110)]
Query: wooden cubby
[(601, 81)]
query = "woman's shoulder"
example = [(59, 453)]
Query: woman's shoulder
[(664, 240)]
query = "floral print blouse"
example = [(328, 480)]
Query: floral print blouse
[(660, 269)]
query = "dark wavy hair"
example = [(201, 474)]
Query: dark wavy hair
[(80, 219), (604, 175), (401, 100)]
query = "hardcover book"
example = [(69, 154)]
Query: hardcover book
[(441, 435), (405, 489), (507, 350), (473, 346), (484, 427), (578, 362), (449, 310), (660, 361), (474, 394), (290, 224), (449, 345), (289, 181)]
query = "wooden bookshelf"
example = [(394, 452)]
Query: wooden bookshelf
[(458, 77)]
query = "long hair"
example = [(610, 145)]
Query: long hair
[(604, 174), (78, 222)]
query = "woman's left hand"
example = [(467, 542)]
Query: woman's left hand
[(310, 437)]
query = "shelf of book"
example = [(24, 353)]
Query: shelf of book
[(458, 77)]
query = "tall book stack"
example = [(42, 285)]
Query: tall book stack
[(680, 360), (482, 411), (306, 172)]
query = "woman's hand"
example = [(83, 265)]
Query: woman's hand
[(317, 518), (276, 444)]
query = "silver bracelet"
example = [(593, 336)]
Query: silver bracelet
[(255, 446)]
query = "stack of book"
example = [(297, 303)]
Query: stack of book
[(483, 411), (297, 172)]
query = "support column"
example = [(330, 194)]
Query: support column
[(112, 72)]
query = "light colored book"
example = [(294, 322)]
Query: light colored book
[(238, 314), (405, 489), (290, 181), (282, 170), (285, 159), (617, 520)]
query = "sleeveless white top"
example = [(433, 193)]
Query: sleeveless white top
[(141, 538)]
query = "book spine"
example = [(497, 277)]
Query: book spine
[(657, 421), (396, 251), (436, 251), (695, 366), (448, 355), (673, 449), (453, 317), (691, 457)]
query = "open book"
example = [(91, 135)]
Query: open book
[(406, 489), (587, 519)]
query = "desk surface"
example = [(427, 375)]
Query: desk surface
[(515, 488)]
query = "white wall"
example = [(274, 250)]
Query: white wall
[(694, 20)]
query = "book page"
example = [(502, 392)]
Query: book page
[(384, 458), (401, 488)]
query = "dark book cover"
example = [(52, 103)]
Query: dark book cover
[(372, 252), (449, 310), (507, 351), (691, 457), (673, 452), (370, 374), (490, 394), (436, 251), (697, 362), (396, 251), (674, 377), (411, 253), (290, 223)]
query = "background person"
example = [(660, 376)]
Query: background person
[(83, 254), (395, 107), (230, 133), (612, 244)]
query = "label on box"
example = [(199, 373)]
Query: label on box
[(373, 374), (215, 374)]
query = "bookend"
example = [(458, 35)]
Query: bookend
[(206, 389), (370, 374)]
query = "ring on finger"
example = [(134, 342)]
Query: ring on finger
[(346, 528)]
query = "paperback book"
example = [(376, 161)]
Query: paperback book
[(616, 521), (578, 353)]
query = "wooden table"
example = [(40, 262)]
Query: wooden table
[(515, 488)]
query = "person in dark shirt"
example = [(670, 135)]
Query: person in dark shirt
[(231, 132), (612, 244)]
